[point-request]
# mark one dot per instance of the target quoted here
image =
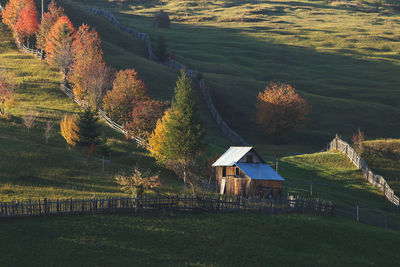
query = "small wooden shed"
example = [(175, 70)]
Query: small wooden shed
[(240, 171)]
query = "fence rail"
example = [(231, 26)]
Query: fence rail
[(374, 179), (41, 54), (165, 202), (194, 74)]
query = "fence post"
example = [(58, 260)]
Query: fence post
[(45, 206), (357, 218)]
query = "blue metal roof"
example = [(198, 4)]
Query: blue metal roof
[(259, 171)]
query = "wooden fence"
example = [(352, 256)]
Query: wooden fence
[(41, 54), (374, 179), (162, 203), (194, 74)]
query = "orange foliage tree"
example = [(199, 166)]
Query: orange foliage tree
[(49, 18), (27, 23), (89, 74), (59, 44), (119, 102), (12, 11), (70, 130), (145, 115), (280, 110)]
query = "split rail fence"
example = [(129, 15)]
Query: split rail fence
[(41, 55), (194, 74), (374, 179), (168, 203)]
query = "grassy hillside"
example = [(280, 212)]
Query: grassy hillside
[(196, 240), (124, 51), (344, 61), (383, 157), (29, 168)]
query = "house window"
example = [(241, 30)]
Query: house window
[(249, 158), (237, 172), (223, 171)]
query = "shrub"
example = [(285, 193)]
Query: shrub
[(136, 183)]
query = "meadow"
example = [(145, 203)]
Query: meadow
[(195, 240), (344, 61), (383, 156), (30, 168)]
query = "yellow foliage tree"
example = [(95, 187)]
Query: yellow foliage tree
[(69, 129), (157, 138)]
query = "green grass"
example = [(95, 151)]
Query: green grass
[(343, 61), (196, 240), (31, 169), (383, 157), (348, 186)]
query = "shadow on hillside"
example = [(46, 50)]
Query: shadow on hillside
[(345, 92)]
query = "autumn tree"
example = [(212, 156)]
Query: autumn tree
[(12, 11), (281, 111), (6, 91), (145, 115), (27, 23), (156, 140), (70, 130), (89, 131), (183, 134), (89, 74), (127, 90), (49, 19), (59, 45), (137, 182)]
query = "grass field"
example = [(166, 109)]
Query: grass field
[(343, 61), (383, 156), (196, 240), (29, 168)]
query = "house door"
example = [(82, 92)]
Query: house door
[(222, 189)]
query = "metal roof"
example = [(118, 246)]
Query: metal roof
[(259, 171), (232, 155)]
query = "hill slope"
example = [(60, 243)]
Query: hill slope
[(336, 56), (383, 156), (29, 168)]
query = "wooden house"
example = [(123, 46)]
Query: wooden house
[(240, 171)]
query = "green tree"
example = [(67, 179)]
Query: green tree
[(184, 132), (161, 50), (89, 131)]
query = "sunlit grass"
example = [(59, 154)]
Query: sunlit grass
[(31, 169), (343, 61)]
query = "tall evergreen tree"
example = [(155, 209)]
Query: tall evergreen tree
[(89, 131), (184, 130)]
